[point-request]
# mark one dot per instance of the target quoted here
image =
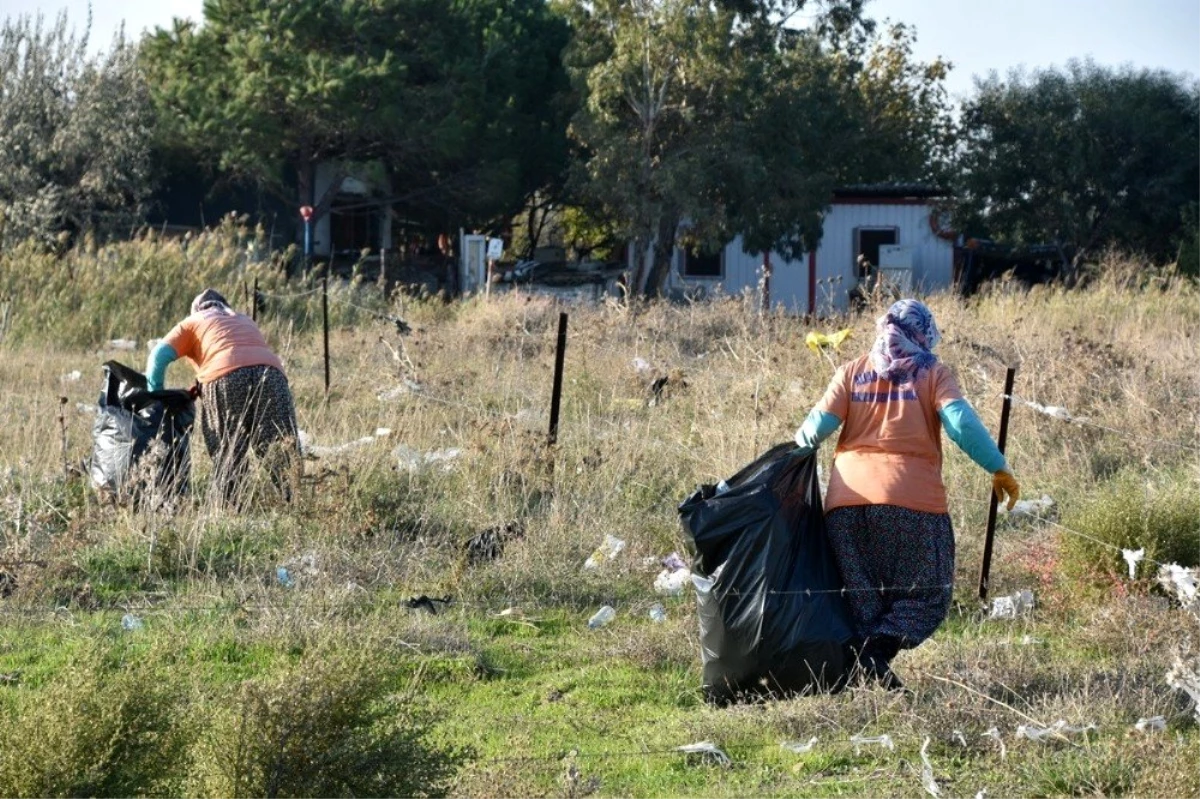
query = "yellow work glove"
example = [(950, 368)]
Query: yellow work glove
[(1004, 483)]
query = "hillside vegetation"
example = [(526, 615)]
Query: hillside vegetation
[(153, 653)]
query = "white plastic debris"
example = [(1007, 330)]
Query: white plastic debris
[(994, 734), (1152, 724), (799, 747), (602, 617), (84, 407), (396, 392), (607, 551), (960, 738), (319, 451), (413, 461), (721, 488), (927, 781), (1185, 677), (706, 748), (1059, 728), (672, 583), (1057, 411), (884, 741), (1182, 583), (982, 794), (1012, 606), (658, 613), (72, 376), (1032, 507), (641, 365), (122, 344), (131, 622), (1133, 557), (383, 432)]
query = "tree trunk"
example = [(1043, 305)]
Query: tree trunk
[(661, 260)]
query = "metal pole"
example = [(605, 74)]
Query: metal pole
[(325, 326), (556, 395), (307, 243), (1001, 440), (254, 302)]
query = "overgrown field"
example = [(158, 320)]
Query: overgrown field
[(146, 653)]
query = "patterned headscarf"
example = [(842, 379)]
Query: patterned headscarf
[(209, 298), (906, 337)]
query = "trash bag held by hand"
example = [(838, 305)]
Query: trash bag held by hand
[(772, 620), (141, 440)]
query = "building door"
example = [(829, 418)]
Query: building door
[(867, 241), (473, 262)]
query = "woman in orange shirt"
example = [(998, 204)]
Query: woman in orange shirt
[(245, 400), (886, 511)]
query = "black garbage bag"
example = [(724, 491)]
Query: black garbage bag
[(141, 440), (772, 620)]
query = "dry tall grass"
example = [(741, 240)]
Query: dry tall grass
[(377, 521)]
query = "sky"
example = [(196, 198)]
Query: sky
[(976, 36)]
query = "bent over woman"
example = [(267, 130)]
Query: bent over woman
[(245, 400), (886, 513)]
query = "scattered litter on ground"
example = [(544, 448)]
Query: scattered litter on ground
[(607, 551), (1032, 507), (1057, 411), (124, 344), (1185, 677), (1152, 724), (84, 407), (430, 604), (818, 341), (383, 432), (1182, 583), (674, 562), (396, 392), (131, 622), (658, 613), (1013, 606), (708, 749), (414, 460), (927, 780), (960, 738), (799, 747), (672, 582), (71, 377), (1059, 728), (489, 544), (1133, 557), (884, 740), (284, 577), (641, 365), (994, 734), (602, 617)]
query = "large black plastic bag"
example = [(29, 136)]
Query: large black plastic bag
[(141, 440), (772, 620)]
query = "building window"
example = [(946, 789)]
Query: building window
[(867, 241), (700, 263)]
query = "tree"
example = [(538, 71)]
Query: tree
[(1085, 158), (74, 134), (721, 118), (453, 102)]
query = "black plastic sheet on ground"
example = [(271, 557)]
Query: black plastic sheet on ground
[(771, 620), (141, 440)]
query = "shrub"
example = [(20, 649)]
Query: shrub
[(1132, 510), (329, 727), (100, 728)]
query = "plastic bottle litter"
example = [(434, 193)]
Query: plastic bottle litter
[(658, 613), (602, 617), (608, 550), (131, 622), (1152, 724), (799, 747), (284, 577)]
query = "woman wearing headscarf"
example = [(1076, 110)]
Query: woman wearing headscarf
[(886, 510), (245, 400)]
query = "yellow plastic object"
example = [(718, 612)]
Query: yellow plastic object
[(817, 341)]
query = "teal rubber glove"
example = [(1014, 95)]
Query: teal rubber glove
[(156, 365), (817, 427)]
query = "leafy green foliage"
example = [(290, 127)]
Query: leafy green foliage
[(74, 134), (458, 106), (99, 728), (1085, 157)]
